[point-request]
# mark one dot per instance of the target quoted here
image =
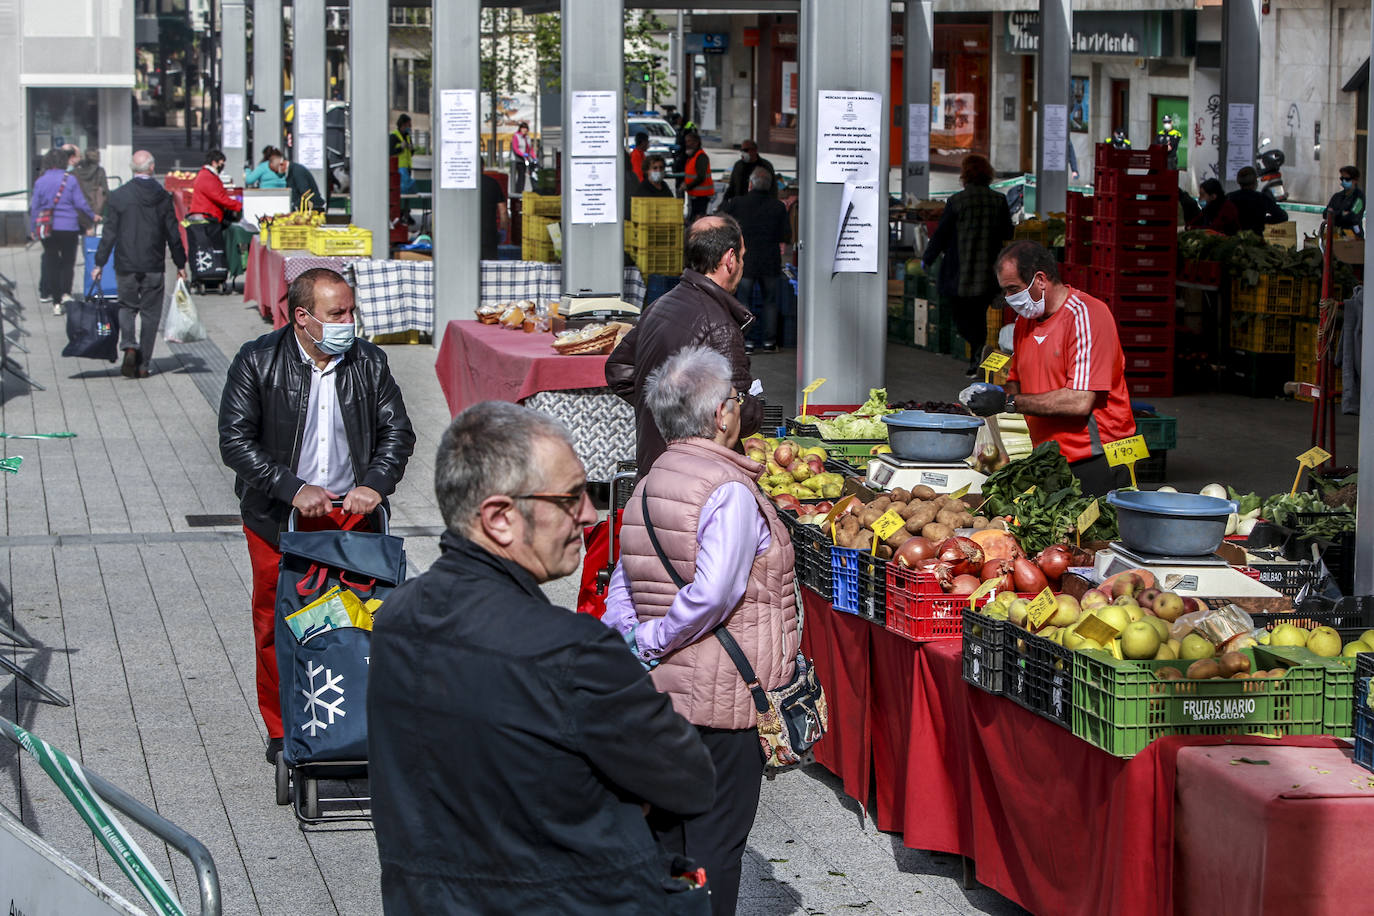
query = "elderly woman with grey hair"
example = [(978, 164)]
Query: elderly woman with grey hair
[(721, 536)]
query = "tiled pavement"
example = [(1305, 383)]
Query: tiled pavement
[(141, 619)]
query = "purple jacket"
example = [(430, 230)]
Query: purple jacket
[(64, 215)]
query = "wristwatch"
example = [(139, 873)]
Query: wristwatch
[(1011, 404)]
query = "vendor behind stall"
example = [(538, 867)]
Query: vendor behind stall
[(1067, 374)]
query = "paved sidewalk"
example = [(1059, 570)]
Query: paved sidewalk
[(140, 613)]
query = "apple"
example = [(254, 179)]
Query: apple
[(1127, 584), (1093, 598), (1168, 606), (788, 502), (1147, 597), (817, 465), (1065, 612), (756, 442), (785, 453)]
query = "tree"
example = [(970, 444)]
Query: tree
[(642, 48)]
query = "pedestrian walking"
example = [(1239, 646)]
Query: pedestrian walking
[(641, 149), (699, 514), (514, 746), (743, 172), (766, 229), (522, 155), (140, 228), (95, 185), (309, 415), (55, 211)]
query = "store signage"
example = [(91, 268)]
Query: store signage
[(1133, 34), (715, 42)]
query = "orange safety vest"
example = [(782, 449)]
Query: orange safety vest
[(707, 188)]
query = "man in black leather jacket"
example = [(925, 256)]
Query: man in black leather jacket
[(308, 415), (700, 310)]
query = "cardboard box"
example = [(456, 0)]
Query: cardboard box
[(1285, 234), (1351, 251)]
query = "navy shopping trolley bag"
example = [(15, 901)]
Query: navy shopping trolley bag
[(323, 671)]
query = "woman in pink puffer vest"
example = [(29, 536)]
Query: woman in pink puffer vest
[(723, 537)]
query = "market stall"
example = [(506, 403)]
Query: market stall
[(270, 270), (483, 362)]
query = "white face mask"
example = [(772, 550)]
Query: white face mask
[(1024, 305), (335, 337), (655, 175)]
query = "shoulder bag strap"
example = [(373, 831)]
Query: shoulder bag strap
[(727, 641), (60, 188)]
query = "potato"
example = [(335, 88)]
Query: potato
[(922, 492), (949, 517), (884, 552), (882, 504), (869, 515), (1203, 669), (999, 523), (937, 532), (979, 523), (905, 509), (1233, 663), (965, 519), (899, 537), (849, 524), (1168, 674), (923, 515), (901, 495)]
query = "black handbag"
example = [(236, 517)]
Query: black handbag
[(792, 718), (93, 327)]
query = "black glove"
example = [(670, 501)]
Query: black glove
[(984, 400)]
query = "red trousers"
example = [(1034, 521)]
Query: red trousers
[(266, 562)]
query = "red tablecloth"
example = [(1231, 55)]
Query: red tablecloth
[(486, 362), (1051, 822), (264, 282), (1287, 835)]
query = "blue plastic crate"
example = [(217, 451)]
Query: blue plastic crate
[(109, 288), (507, 252), (1364, 738), (844, 572)]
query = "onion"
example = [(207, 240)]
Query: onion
[(964, 556), (913, 550), (963, 585), (1054, 562), (999, 570), (1027, 576), (943, 575)]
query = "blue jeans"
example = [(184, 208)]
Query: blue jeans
[(407, 182), (768, 305)]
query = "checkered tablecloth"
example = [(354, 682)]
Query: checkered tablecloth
[(602, 425), (398, 296)]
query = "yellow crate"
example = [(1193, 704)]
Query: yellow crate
[(535, 250), (1276, 294), (656, 210), (282, 237), (341, 242), (549, 206), (657, 261), (535, 227), (1305, 370), (654, 235), (1261, 333), (1305, 341)]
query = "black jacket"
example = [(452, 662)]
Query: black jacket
[(1255, 210), (765, 224), (262, 418), (647, 188), (740, 175), (511, 743), (140, 226), (696, 311), (300, 179)]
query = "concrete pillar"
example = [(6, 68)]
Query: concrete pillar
[(234, 60), (266, 75), (1240, 79), (116, 133), (843, 316), (593, 61), (1364, 500), (367, 91), (457, 212), (917, 54), (1052, 118), (308, 83)]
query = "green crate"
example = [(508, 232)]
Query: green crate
[(1120, 706), (1161, 433), (1338, 691)]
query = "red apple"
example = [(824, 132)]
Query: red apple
[(785, 453)]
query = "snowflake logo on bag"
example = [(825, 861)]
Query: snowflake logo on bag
[(204, 261), (315, 702)]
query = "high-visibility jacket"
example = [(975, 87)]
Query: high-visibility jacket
[(699, 166), (405, 151), (1123, 143)]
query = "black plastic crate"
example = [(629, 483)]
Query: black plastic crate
[(1338, 554), (1364, 667), (773, 419), (1348, 615), (983, 647), (1289, 578), (1037, 673), (1154, 469), (811, 552), (873, 589)]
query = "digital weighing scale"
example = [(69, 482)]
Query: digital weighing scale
[(1207, 576), (888, 472)]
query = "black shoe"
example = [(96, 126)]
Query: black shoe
[(273, 749), (769, 348), (130, 367), (748, 348), (971, 372)]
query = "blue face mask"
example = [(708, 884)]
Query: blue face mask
[(1347, 183), (336, 337)]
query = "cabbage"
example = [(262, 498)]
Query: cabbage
[(876, 405)]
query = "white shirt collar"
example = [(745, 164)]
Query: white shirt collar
[(306, 357)]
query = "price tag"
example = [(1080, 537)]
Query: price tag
[(1088, 516), (961, 492), (887, 524), (980, 591), (1309, 459), (806, 392), (1115, 648), (1098, 630), (1126, 451), (995, 361), (837, 510), (1041, 609)]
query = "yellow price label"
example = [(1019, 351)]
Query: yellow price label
[(994, 361), (1313, 457), (980, 591), (1098, 630), (1126, 451), (1088, 516), (887, 524), (813, 386), (1115, 648), (1041, 608), (961, 492), (837, 510)]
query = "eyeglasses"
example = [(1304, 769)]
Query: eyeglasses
[(568, 502), (737, 398)]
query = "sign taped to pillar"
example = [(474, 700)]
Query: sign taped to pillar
[(458, 139), (849, 127)]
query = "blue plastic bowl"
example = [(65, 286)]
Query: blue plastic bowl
[(1171, 524), (919, 436)]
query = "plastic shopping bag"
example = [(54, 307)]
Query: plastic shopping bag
[(183, 321)]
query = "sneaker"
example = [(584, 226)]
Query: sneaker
[(57, 308), (44, 300), (273, 749), (971, 372), (769, 348), (130, 367), (748, 348)]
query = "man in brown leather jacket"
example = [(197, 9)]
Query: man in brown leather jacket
[(700, 310)]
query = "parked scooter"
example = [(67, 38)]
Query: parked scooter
[(1270, 161)]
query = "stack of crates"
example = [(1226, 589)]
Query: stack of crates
[(1305, 357), (1076, 271), (538, 213), (1265, 331), (1135, 260), (653, 237)]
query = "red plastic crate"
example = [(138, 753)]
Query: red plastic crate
[(1152, 158), (1149, 362), (919, 610), (1135, 260), (1151, 385), (1134, 235), (1156, 310), (1151, 335), (1079, 206), (1157, 184), (1068, 272), (1132, 209), (1117, 285)]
